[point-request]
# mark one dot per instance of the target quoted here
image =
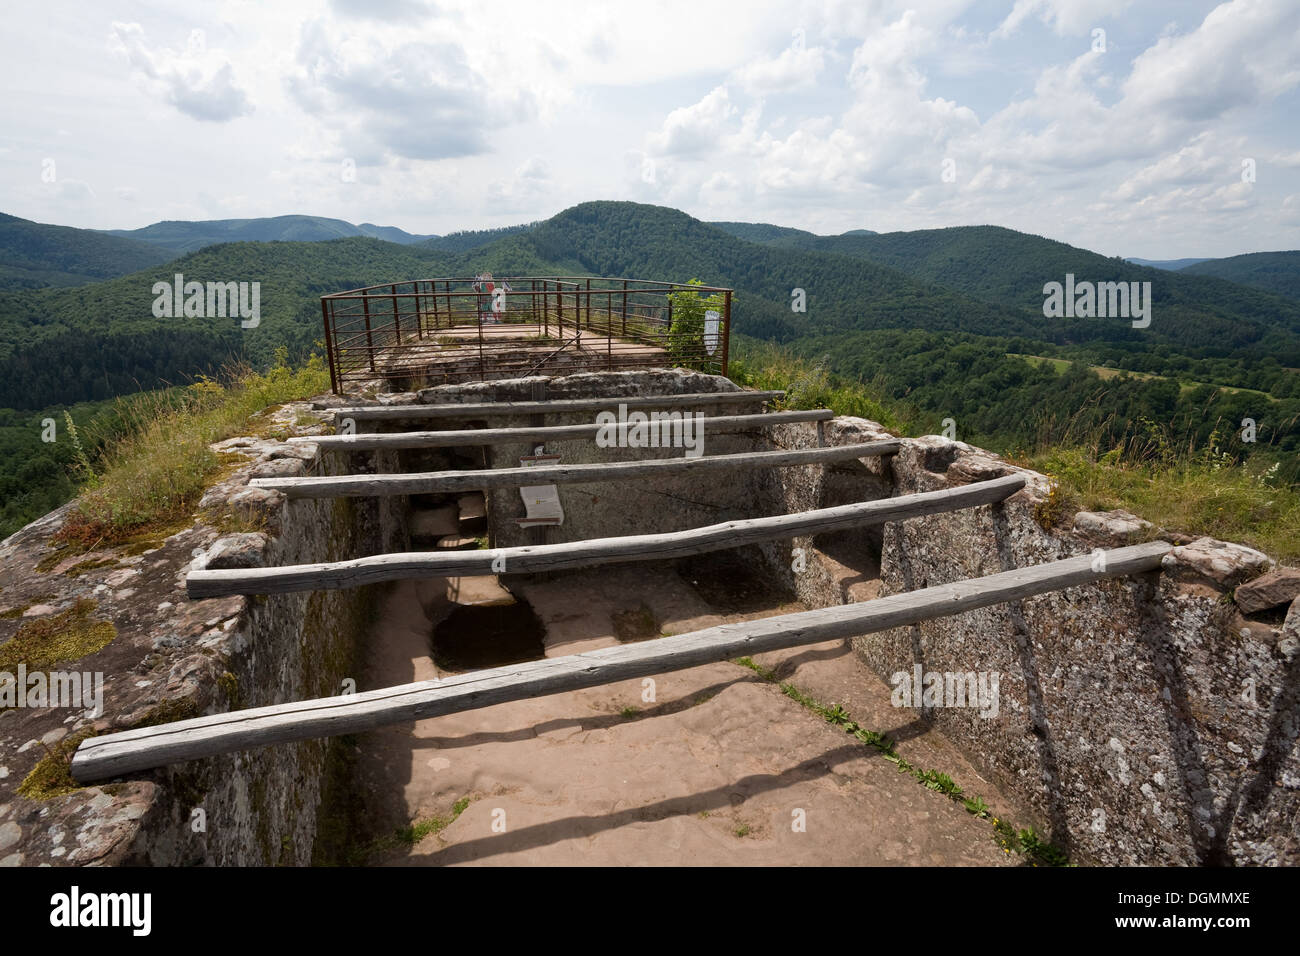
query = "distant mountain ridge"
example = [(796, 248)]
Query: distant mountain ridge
[(35, 254), (768, 233), (182, 236), (1271, 271), (1170, 265), (948, 321), (982, 281)]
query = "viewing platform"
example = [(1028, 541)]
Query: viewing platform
[(425, 332)]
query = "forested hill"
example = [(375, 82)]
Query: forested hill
[(940, 323), (186, 236), (34, 255), (89, 343), (630, 239), (983, 280), (1172, 265), (762, 232), (467, 240), (1007, 267), (1271, 271), (69, 345)]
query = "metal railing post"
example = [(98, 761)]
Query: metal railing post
[(726, 331), (419, 315), (397, 318), (329, 347), (370, 341)]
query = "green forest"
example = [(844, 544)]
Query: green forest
[(947, 324)]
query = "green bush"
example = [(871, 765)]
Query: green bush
[(686, 334)]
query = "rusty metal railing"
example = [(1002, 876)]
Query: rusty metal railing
[(424, 332)]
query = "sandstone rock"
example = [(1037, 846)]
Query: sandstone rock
[(332, 401), (854, 431), (1111, 527), (255, 503), (278, 468), (10, 833), (232, 444), (118, 578), (472, 509), (245, 550), (978, 467), (219, 493), (1226, 565), (433, 523), (304, 451), (1279, 586)]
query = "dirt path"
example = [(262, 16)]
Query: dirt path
[(719, 768)]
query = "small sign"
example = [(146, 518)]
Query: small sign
[(541, 502), (712, 319)]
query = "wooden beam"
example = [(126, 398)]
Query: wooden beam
[(531, 559), (481, 409), (130, 751), (501, 436), (431, 482)]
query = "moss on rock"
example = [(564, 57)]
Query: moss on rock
[(46, 642), (52, 777)]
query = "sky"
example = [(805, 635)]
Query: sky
[(1151, 129)]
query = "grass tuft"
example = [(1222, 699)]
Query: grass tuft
[(156, 473)]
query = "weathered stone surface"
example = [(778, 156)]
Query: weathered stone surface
[(1279, 586), (1220, 562), (278, 468), (305, 451), (432, 523), (1111, 528), (846, 430), (245, 550), (1122, 724), (978, 467), (10, 833), (174, 658), (253, 504)]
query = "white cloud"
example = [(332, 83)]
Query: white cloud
[(474, 113), (793, 68), (402, 11), (693, 130), (529, 183), (1066, 17), (1202, 162), (412, 99), (198, 82), (1244, 53)]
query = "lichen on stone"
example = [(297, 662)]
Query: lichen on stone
[(168, 711), (46, 642), (229, 685)]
